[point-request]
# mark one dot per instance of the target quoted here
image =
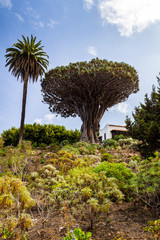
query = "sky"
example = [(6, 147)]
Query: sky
[(79, 30)]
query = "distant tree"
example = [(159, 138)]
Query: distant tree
[(87, 90), (26, 60), (41, 134), (146, 124)]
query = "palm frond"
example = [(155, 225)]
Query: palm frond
[(27, 56)]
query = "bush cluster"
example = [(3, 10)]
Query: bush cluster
[(148, 182), (38, 134), (125, 178), (87, 194), (110, 143), (64, 161), (107, 157), (81, 148), (14, 201)]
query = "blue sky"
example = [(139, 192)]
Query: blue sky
[(79, 30)]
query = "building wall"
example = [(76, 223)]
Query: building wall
[(107, 130), (104, 131)]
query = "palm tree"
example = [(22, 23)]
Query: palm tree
[(27, 61)]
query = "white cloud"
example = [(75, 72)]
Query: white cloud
[(130, 15), (49, 118), (51, 23), (31, 12), (92, 51), (38, 24), (123, 107), (6, 3), (38, 120), (19, 17), (41, 24), (88, 4)]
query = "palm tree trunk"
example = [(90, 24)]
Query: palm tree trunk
[(23, 109)]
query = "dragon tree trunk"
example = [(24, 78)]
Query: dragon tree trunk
[(90, 125)]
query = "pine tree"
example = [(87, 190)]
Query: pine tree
[(146, 124)]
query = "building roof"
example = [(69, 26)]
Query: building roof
[(121, 130), (116, 125)]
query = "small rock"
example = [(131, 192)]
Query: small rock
[(61, 228)]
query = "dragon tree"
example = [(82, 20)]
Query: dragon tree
[(87, 90)]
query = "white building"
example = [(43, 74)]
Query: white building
[(109, 131)]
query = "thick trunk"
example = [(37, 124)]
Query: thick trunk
[(90, 126), (23, 109), (84, 135)]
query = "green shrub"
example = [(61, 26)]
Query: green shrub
[(78, 234), (41, 184), (126, 141), (37, 133), (42, 160), (86, 193), (133, 164), (64, 142), (70, 149), (45, 178), (26, 145), (154, 228), (107, 157), (34, 145), (81, 148), (10, 137), (14, 200), (148, 182), (2, 152), (54, 147), (42, 146), (124, 176), (85, 148), (1, 143), (81, 144), (110, 143), (15, 160), (63, 160), (136, 157), (120, 136)]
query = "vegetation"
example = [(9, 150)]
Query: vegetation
[(77, 233), (110, 143), (82, 148), (27, 61), (87, 194), (41, 185), (148, 182), (146, 124), (125, 178), (87, 90), (107, 157), (38, 134), (154, 228), (83, 185), (14, 200)]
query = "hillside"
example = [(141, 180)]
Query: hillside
[(69, 188)]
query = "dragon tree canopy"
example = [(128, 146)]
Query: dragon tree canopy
[(87, 90)]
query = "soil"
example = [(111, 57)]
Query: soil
[(126, 220)]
